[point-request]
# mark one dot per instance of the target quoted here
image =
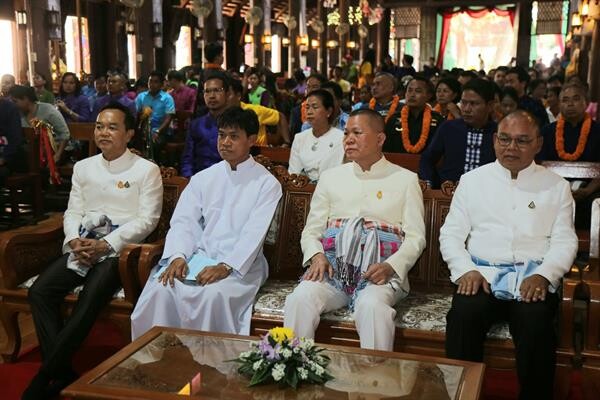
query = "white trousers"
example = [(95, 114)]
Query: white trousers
[(373, 311)]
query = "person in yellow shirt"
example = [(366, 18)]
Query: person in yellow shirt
[(266, 116), (366, 71), (339, 79)]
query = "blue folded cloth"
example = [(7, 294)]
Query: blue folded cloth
[(507, 281)]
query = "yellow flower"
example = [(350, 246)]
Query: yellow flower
[(281, 334), (146, 112)]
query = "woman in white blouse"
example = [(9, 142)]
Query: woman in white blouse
[(320, 147)]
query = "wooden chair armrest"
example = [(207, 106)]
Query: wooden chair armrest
[(128, 271), (567, 312), (25, 253), (591, 272), (149, 257), (592, 342)]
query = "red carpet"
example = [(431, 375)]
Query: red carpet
[(105, 340)]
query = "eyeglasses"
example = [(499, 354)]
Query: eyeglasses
[(214, 90), (521, 142)]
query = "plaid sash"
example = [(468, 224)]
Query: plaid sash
[(352, 245)]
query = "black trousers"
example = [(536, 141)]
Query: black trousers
[(60, 339), (531, 326)]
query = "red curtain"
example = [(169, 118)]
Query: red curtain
[(447, 17)]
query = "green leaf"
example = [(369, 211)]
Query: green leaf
[(292, 379)]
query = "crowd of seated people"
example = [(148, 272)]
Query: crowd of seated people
[(487, 131)]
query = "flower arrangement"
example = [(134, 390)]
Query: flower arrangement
[(283, 358)]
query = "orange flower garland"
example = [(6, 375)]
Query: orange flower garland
[(449, 116), (391, 111), (583, 137), (420, 145), (303, 111)]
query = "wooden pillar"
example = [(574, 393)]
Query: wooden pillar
[(383, 36), (427, 34), (585, 58), (322, 36), (343, 38), (524, 33), (593, 75), (39, 39), (145, 40), (80, 36), (294, 50)]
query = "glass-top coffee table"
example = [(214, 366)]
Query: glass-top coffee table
[(160, 363)]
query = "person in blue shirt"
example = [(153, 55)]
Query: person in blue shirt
[(163, 108), (200, 150)]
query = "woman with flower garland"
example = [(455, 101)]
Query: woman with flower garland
[(575, 137), (447, 95), (412, 129)]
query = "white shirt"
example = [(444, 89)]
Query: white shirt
[(551, 117), (504, 220), (224, 214), (128, 190), (386, 193), (312, 155)]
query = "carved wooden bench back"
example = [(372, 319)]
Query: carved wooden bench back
[(285, 257), (173, 186), (574, 169), (281, 156)]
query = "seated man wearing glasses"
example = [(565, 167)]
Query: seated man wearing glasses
[(508, 240), (200, 150)]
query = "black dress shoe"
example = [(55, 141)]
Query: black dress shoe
[(37, 388), (61, 382)]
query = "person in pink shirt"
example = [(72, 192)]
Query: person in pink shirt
[(184, 96)]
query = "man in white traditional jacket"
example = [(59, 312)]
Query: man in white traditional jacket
[(220, 221), (363, 234), (116, 199), (508, 240)]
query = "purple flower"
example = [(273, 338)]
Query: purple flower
[(267, 350)]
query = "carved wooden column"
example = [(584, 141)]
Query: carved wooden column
[(322, 37), (383, 36), (294, 49), (427, 34), (343, 4), (524, 35), (593, 75), (266, 32)]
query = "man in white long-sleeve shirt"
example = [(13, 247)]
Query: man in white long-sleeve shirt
[(115, 186), (363, 234), (222, 216), (508, 240)]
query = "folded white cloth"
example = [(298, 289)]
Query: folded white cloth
[(93, 226)]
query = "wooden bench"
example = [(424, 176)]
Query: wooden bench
[(84, 133), (25, 253), (31, 181), (421, 316), (590, 277)]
